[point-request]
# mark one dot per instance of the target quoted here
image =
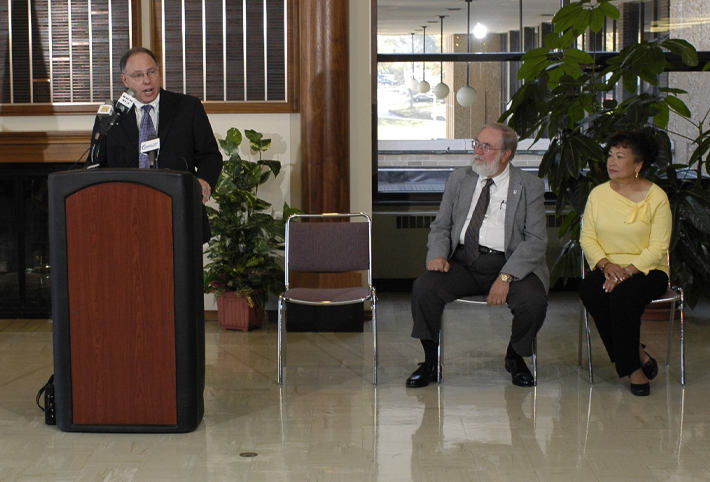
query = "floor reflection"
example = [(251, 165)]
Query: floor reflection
[(328, 423)]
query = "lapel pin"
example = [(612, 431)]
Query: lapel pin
[(515, 191)]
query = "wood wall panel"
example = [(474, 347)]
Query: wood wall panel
[(325, 106), (307, 279), (39, 147)]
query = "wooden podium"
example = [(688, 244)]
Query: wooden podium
[(127, 300)]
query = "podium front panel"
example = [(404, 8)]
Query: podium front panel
[(121, 301)]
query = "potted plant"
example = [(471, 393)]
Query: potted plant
[(243, 267), (569, 96)]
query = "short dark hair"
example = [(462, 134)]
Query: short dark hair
[(133, 51), (641, 143)]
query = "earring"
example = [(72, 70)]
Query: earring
[(637, 174)]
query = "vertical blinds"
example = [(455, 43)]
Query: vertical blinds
[(226, 50), (62, 51), (66, 52)]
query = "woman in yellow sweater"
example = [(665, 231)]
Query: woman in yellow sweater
[(626, 230)]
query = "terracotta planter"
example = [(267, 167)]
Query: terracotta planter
[(234, 313)]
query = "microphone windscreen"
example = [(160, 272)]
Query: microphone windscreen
[(105, 109)]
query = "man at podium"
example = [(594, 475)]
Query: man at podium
[(175, 125)]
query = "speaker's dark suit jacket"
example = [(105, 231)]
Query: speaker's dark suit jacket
[(187, 142)]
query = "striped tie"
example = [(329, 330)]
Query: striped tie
[(470, 244), (146, 130)]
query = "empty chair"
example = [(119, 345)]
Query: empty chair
[(330, 247)]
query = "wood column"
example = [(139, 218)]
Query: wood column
[(325, 105)]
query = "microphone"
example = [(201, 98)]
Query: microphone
[(105, 109), (126, 101), (151, 146), (108, 115), (122, 106)]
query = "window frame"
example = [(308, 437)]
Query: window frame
[(290, 105), (73, 108)]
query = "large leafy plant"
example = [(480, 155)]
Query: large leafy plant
[(245, 231), (577, 99)]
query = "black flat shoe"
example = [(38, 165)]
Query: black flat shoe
[(422, 376), (650, 369), (641, 389), (520, 372)]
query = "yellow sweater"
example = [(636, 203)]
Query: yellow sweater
[(626, 232)]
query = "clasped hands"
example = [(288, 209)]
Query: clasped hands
[(614, 275), (498, 294)]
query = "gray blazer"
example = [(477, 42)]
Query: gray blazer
[(525, 222)]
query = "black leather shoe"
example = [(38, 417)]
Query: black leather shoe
[(422, 376), (650, 369), (641, 389), (520, 372)]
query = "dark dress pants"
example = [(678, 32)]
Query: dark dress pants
[(431, 292), (617, 315)]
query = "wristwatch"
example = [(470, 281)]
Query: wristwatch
[(506, 277)]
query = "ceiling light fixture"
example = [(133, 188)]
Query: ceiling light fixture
[(413, 83), (441, 90), (467, 95), (423, 86)]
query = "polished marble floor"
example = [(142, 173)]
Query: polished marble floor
[(328, 423)]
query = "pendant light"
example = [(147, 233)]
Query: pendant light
[(423, 86), (413, 83), (441, 90), (467, 95)]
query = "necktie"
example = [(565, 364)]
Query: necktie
[(145, 130), (474, 226)]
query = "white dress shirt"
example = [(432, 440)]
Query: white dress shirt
[(492, 233)]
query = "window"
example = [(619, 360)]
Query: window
[(422, 137), (234, 55), (63, 55), (61, 52)]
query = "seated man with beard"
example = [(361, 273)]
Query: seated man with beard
[(489, 237)]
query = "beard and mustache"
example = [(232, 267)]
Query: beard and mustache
[(486, 169)]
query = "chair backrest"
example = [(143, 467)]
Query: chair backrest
[(328, 247)]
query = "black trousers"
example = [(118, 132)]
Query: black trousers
[(617, 315), (431, 292)]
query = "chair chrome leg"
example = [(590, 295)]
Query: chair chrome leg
[(374, 335), (670, 333), (589, 347), (682, 337), (534, 360), (582, 312), (280, 340), (439, 355)]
